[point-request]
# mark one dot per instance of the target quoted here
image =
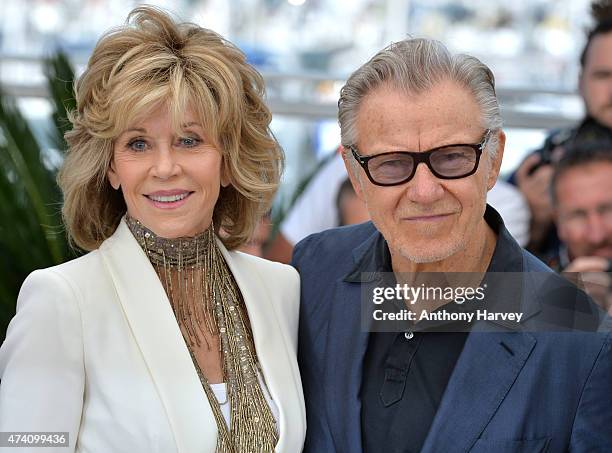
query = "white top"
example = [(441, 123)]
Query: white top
[(220, 391)]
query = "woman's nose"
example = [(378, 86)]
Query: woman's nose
[(165, 164)]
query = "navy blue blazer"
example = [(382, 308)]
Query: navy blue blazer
[(510, 391)]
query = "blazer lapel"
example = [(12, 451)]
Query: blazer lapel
[(477, 388), (163, 348), (274, 350), (346, 347), (347, 342)]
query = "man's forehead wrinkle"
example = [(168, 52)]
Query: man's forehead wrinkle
[(392, 120)]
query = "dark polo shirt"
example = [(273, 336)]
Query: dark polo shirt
[(405, 374)]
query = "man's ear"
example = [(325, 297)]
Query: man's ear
[(113, 177), (496, 161), (351, 168)]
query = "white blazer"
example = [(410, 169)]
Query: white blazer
[(95, 350)]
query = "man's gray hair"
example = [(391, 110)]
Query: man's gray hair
[(415, 66)]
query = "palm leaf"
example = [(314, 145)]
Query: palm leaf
[(60, 77), (19, 228), (26, 161), (31, 231)]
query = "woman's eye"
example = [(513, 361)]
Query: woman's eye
[(189, 142), (137, 145)]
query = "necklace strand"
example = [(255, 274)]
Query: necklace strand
[(206, 299)]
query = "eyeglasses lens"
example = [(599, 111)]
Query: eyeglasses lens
[(449, 162)]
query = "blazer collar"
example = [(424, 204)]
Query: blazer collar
[(371, 258), (149, 314), (346, 346)]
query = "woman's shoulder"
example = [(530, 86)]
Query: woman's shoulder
[(68, 276), (74, 268), (83, 269), (55, 294)]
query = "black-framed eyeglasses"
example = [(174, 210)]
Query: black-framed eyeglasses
[(445, 162)]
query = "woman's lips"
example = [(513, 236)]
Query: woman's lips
[(168, 199)]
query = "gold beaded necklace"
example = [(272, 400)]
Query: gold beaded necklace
[(204, 295)]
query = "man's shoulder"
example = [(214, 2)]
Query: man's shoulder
[(332, 245)]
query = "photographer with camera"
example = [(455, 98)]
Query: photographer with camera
[(533, 176)]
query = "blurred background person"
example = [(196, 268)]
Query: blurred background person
[(351, 209), (582, 206), (533, 177)]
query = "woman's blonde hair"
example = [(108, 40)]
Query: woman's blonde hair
[(150, 60)]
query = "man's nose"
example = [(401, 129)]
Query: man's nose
[(165, 163), (424, 188)]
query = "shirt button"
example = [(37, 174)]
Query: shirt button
[(409, 335)]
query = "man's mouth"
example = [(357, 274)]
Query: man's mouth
[(426, 217)]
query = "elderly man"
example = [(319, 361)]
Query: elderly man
[(423, 144)]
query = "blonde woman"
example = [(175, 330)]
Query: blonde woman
[(161, 339)]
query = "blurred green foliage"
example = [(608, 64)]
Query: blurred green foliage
[(31, 231)]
